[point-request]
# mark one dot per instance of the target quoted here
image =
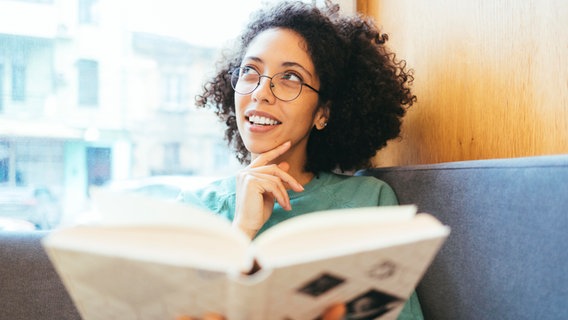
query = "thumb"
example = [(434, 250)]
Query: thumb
[(335, 312)]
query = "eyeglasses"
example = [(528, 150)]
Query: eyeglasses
[(285, 86)]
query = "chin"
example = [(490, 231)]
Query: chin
[(258, 147)]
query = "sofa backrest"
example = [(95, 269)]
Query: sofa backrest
[(507, 254)]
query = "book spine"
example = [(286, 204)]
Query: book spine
[(247, 297)]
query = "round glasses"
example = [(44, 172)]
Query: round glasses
[(285, 86)]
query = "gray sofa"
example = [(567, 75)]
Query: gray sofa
[(507, 256)]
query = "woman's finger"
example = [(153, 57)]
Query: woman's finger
[(265, 158), (213, 316), (278, 171), (267, 183), (207, 316), (335, 312)]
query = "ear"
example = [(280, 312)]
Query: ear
[(322, 117)]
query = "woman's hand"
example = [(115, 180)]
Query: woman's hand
[(207, 316), (335, 312), (258, 186)]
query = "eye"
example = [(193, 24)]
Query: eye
[(290, 76), (247, 70), (249, 74)]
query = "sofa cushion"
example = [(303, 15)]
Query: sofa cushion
[(29, 286)]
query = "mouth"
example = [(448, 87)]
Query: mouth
[(262, 120)]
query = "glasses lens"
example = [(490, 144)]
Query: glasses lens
[(286, 86), (244, 80)]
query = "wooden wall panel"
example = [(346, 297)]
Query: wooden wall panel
[(491, 77)]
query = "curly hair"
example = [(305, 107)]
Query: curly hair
[(366, 89)]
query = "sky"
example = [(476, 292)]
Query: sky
[(207, 23)]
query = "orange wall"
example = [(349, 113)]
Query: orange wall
[(491, 77)]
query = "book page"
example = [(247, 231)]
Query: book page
[(339, 232), (107, 287), (123, 208), (152, 229), (372, 284), (181, 246), (349, 218)]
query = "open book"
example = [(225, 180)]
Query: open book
[(152, 259)]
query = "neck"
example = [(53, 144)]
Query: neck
[(296, 168), (302, 176), (296, 162)]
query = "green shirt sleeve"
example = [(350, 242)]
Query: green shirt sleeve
[(387, 197), (412, 309)]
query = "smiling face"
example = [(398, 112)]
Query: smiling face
[(264, 121)]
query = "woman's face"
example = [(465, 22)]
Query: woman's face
[(264, 121)]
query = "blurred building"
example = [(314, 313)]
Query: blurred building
[(84, 100)]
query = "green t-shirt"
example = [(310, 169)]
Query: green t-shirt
[(324, 192)]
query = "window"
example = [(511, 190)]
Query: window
[(38, 1), (87, 12), (112, 97), (4, 170), (1, 86), (174, 91), (98, 165), (18, 82), (172, 155), (4, 163), (88, 82)]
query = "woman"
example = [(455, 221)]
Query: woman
[(306, 92)]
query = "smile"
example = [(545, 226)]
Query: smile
[(262, 121)]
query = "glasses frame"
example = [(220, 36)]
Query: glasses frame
[(260, 76)]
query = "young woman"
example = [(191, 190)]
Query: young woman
[(306, 92)]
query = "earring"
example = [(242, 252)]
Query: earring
[(323, 124)]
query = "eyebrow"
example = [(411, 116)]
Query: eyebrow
[(295, 64), (284, 64)]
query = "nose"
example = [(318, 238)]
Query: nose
[(264, 90)]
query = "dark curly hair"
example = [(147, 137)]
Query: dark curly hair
[(365, 87)]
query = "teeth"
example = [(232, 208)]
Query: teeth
[(263, 121)]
